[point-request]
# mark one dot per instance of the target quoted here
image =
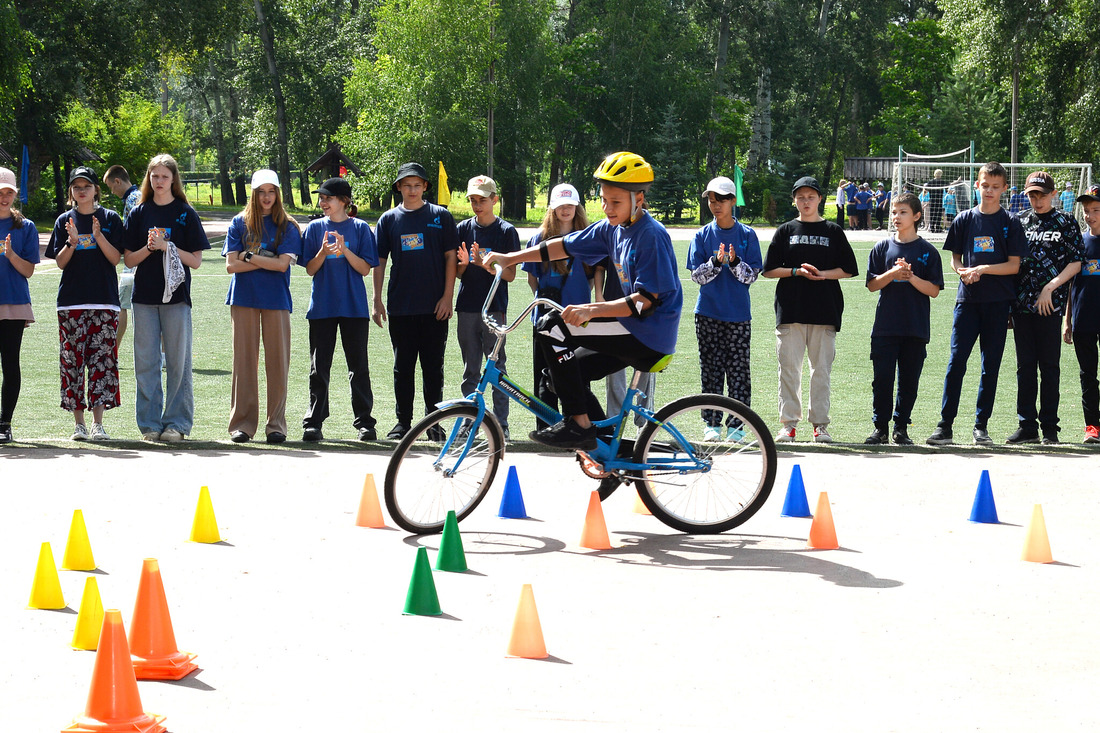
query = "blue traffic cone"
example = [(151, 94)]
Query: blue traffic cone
[(795, 503), (984, 509), (511, 504)]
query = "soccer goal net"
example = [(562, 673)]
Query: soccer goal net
[(945, 184)]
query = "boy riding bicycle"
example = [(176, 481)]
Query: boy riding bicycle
[(589, 341)]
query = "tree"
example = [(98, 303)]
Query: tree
[(672, 170)]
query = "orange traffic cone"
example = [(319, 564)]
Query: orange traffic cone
[(594, 536), (46, 588), (822, 531), (639, 505), (1036, 542), (113, 700), (152, 641), (527, 641), (370, 512)]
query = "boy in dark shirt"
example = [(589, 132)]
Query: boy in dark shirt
[(986, 244), (479, 235), (906, 272), (1054, 257), (808, 255)]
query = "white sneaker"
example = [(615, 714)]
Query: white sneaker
[(821, 435), (171, 435), (98, 433), (785, 435), (150, 437), (712, 434), (80, 432)]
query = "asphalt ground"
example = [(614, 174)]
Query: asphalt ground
[(922, 621)]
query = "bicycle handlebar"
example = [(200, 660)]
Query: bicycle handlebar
[(501, 329)]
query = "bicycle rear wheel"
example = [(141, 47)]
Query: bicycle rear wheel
[(738, 472), (431, 471)]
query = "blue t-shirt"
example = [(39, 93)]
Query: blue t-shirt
[(1085, 298), (1018, 202), (89, 278), (903, 311), (986, 239), (575, 287), (14, 289), (264, 289), (643, 259), (863, 200), (500, 236), (949, 207), (182, 227), (415, 243), (725, 298), (338, 290), (1068, 200), (851, 190)]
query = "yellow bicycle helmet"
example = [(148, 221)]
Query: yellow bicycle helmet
[(625, 170)]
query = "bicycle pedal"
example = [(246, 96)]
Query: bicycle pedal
[(590, 466)]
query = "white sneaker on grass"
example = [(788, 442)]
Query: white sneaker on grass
[(735, 435), (712, 434), (80, 432), (98, 433), (171, 435), (785, 435), (821, 435)]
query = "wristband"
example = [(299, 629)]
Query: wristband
[(734, 262), (794, 272), (544, 253), (714, 261), (248, 256)]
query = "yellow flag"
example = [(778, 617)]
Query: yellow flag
[(444, 192)]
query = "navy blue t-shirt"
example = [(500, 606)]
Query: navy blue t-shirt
[(500, 236), (89, 278), (1085, 300), (415, 242), (902, 309), (182, 227), (986, 239)]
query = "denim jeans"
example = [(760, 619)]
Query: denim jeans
[(172, 405), (987, 325)]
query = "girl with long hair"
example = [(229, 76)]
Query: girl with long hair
[(565, 281), (262, 244), (86, 243), (18, 255), (164, 241)]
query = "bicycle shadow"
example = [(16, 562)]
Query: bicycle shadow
[(765, 553)]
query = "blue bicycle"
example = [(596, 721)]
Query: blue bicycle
[(701, 464)]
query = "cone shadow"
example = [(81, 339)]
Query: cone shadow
[(551, 659), (191, 681)]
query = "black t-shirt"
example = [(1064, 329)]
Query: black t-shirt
[(89, 278), (902, 309), (986, 239), (500, 236), (799, 299), (1053, 243), (181, 227)]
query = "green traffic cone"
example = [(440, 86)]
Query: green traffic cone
[(451, 557), (422, 599)]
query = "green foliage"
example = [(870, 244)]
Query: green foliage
[(129, 134), (672, 169)]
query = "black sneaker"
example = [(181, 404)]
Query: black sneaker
[(276, 437), (566, 434), (981, 436), (1023, 435), (366, 434), (436, 433), (240, 436), (940, 436), (312, 435), (5, 433), (901, 435), (398, 432), (878, 437), (1050, 437)]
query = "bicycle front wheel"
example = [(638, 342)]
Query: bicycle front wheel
[(712, 464), (436, 469)]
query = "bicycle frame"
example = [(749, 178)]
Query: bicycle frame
[(682, 459)]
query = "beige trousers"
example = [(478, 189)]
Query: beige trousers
[(249, 325), (793, 341)]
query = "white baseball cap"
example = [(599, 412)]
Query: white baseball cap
[(481, 186), (721, 186), (7, 180), (562, 194), (265, 175)]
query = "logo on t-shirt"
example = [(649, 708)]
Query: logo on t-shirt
[(811, 239), (434, 224), (1091, 267), (412, 242), (983, 244), (85, 241), (622, 277)]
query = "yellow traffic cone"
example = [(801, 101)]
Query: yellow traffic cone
[(46, 591), (89, 621), (205, 527), (78, 551)]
